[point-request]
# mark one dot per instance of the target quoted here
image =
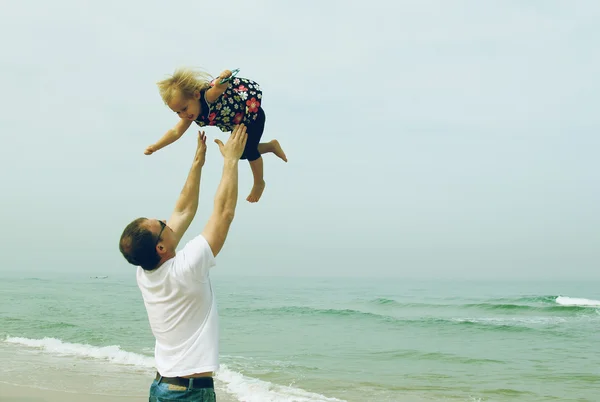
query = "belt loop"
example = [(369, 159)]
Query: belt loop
[(191, 384), (160, 377)]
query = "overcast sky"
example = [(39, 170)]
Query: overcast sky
[(427, 139)]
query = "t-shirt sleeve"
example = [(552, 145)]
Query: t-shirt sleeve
[(196, 259)]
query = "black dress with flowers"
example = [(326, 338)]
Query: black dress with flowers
[(240, 103)]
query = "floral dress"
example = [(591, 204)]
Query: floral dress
[(239, 103)]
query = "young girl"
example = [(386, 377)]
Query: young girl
[(197, 98)]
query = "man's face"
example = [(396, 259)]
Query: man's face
[(165, 237), (186, 108)]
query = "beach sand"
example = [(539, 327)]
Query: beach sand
[(15, 393), (18, 393), (32, 376)]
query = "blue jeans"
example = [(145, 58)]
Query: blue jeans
[(166, 393)]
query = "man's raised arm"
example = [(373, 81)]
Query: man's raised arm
[(187, 204), (219, 222)]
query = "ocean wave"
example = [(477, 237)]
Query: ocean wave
[(577, 302), (389, 303), (501, 306), (524, 307), (112, 353), (544, 316), (385, 302), (545, 303), (250, 389), (245, 388), (311, 311), (527, 303), (535, 299), (510, 323), (553, 300), (433, 356), (245, 363)]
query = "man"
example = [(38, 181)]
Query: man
[(176, 287)]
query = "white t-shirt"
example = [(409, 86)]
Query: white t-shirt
[(182, 311)]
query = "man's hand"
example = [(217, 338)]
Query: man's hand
[(201, 149), (234, 148), (150, 150)]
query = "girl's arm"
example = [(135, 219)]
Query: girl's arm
[(214, 92), (170, 136)]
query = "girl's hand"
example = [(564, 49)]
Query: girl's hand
[(149, 150), (222, 76), (217, 89)]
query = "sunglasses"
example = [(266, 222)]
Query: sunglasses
[(163, 226)]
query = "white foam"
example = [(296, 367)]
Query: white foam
[(573, 301), (113, 353), (249, 389)]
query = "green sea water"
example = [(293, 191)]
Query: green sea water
[(316, 339)]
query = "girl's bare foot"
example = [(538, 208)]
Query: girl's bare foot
[(256, 191), (277, 150)]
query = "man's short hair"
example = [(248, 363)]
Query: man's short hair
[(138, 245)]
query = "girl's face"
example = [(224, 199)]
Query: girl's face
[(186, 108)]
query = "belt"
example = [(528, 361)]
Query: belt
[(192, 383)]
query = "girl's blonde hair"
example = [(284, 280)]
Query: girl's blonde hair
[(184, 81)]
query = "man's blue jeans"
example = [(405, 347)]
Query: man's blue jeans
[(162, 392)]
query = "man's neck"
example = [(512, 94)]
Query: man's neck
[(164, 259)]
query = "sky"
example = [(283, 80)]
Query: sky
[(426, 139)]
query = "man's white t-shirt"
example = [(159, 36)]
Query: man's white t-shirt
[(182, 311)]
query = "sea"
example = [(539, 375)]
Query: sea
[(318, 339)]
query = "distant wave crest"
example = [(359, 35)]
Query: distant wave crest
[(576, 302)]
